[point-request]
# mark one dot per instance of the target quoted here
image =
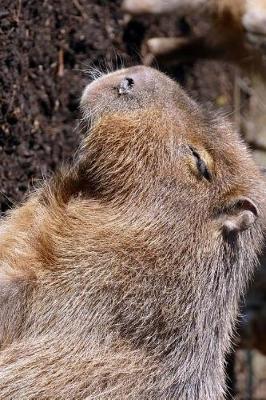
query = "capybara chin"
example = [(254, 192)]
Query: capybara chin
[(120, 277)]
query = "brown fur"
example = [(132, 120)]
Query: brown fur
[(118, 279)]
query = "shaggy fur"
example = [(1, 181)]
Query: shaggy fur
[(119, 278)]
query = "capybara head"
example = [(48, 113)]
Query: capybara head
[(150, 142)]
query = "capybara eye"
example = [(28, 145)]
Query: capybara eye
[(201, 165)]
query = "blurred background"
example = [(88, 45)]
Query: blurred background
[(47, 49)]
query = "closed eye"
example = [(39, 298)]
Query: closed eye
[(201, 165)]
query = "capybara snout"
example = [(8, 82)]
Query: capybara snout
[(129, 89)]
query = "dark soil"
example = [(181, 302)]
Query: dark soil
[(45, 49)]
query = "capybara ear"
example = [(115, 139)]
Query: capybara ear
[(240, 215)]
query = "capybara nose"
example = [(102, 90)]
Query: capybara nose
[(134, 83), (125, 86)]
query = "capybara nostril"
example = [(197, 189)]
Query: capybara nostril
[(125, 86)]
